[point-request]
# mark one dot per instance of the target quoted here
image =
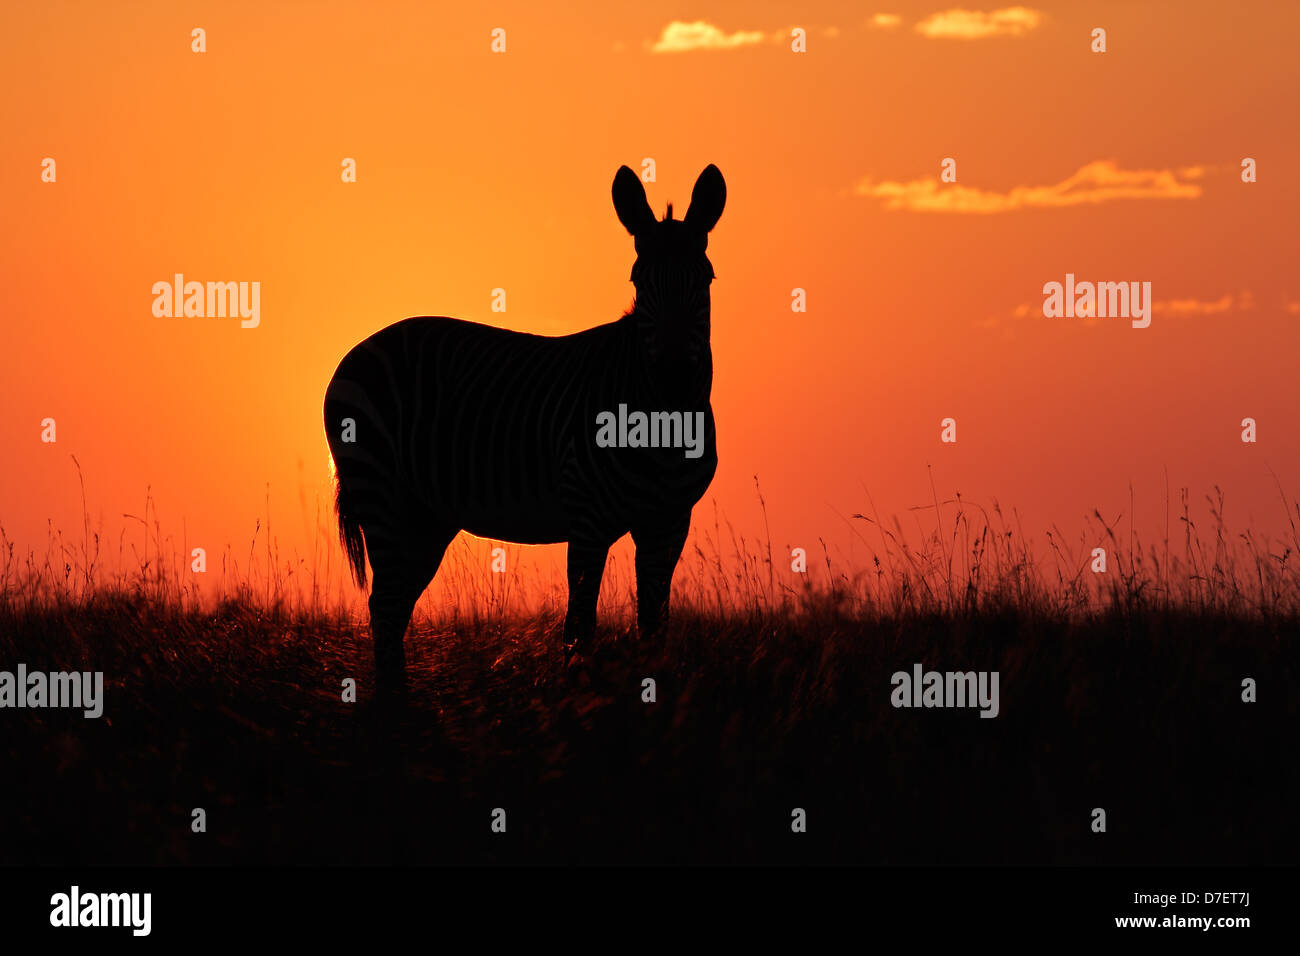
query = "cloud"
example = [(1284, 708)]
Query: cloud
[(978, 24), (1243, 301), (1097, 182), (885, 21), (682, 37), (1225, 303)]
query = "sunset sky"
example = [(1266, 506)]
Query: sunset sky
[(478, 170)]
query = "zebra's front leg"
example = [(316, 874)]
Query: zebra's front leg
[(586, 569), (658, 547)]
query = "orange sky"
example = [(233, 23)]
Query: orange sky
[(479, 170)]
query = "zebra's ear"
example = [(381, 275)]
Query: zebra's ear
[(707, 199), (630, 203)]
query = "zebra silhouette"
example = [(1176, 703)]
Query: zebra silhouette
[(438, 425)]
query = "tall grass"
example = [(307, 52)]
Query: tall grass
[(774, 690), (958, 558)]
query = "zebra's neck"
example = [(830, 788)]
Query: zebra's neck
[(679, 366)]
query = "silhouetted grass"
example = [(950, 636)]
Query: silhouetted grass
[(1120, 691)]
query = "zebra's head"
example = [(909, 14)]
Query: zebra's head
[(672, 273)]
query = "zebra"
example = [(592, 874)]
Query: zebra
[(437, 425)]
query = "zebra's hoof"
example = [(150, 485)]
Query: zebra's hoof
[(390, 691)]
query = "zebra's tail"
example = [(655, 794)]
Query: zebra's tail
[(354, 543)]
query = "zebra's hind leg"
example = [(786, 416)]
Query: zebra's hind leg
[(586, 569), (658, 547), (403, 565)]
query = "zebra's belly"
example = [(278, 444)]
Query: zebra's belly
[(520, 528), (610, 500)]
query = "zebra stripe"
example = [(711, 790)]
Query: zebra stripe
[(460, 426)]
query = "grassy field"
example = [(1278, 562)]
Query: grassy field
[(1120, 690)]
